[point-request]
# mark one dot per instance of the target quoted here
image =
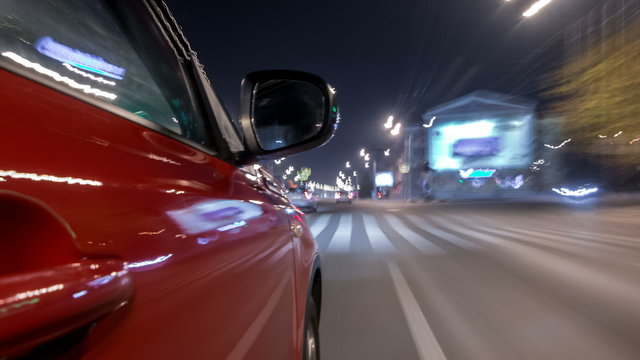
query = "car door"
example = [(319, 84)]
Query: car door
[(122, 217)]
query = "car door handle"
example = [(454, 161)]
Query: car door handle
[(38, 306)]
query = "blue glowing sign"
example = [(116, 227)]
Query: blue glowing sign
[(474, 174), (49, 47)]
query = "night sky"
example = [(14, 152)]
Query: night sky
[(384, 58)]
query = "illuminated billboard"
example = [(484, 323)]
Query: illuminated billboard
[(499, 143), (384, 178)]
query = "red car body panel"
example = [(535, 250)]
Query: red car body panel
[(207, 255)]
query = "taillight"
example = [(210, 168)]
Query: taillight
[(350, 196), (337, 196)]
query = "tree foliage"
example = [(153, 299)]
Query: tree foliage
[(598, 96)]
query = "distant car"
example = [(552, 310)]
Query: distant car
[(137, 222), (303, 199), (344, 197)]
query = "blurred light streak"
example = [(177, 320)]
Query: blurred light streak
[(35, 177), (49, 47), (162, 158), (430, 124), (617, 134), (79, 294), (57, 77), (536, 7), (157, 260), (602, 136), (634, 140), (559, 146), (579, 192), (89, 76), (152, 232)]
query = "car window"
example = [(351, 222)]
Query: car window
[(84, 46)]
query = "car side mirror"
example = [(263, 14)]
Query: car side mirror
[(284, 112)]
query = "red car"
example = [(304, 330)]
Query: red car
[(136, 223)]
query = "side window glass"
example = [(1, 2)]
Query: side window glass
[(93, 48)]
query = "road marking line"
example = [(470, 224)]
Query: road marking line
[(586, 237), (320, 224), (341, 240), (416, 240), (463, 243), (423, 337), (379, 241)]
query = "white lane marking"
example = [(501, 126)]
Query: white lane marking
[(377, 238), (566, 242), (341, 240), (416, 240), (257, 326), (585, 236), (474, 234), (466, 244), (320, 224), (423, 337), (586, 280)]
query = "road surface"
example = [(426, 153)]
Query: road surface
[(478, 281)]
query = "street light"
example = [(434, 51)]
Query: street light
[(536, 7), (362, 152), (389, 123), (396, 129), (348, 165), (367, 157), (387, 152)]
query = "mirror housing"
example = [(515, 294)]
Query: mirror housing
[(284, 112)]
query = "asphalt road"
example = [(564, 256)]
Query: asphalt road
[(479, 281)]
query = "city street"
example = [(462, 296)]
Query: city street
[(478, 280)]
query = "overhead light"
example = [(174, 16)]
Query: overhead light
[(389, 123), (536, 7)]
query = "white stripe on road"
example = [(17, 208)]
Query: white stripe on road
[(566, 233), (423, 337), (416, 240), (341, 240), (377, 238), (565, 242), (474, 234), (320, 224), (466, 244)]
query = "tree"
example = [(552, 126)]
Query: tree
[(598, 96)]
